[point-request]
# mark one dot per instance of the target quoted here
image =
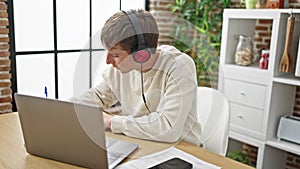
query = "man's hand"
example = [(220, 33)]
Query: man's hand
[(107, 120)]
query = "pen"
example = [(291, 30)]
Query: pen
[(46, 92)]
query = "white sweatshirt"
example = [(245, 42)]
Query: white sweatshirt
[(170, 90)]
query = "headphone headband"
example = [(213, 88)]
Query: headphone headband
[(138, 30)]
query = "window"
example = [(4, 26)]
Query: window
[(55, 44)]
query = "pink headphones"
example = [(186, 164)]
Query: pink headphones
[(142, 53)]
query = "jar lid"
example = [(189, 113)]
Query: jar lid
[(245, 37), (265, 51)]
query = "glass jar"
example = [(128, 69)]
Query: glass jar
[(264, 60), (244, 50), (261, 4)]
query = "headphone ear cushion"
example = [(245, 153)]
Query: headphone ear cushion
[(142, 56)]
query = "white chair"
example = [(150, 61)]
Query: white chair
[(213, 115)]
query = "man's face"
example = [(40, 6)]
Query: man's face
[(120, 59)]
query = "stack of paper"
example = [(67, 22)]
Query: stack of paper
[(156, 158)]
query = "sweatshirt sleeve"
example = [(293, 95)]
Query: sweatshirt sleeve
[(100, 95)]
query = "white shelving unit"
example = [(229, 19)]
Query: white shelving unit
[(259, 97)]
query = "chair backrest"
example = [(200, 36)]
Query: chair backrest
[(213, 114)]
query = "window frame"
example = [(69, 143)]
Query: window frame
[(56, 51)]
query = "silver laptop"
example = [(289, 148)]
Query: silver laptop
[(68, 132)]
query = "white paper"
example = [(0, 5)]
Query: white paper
[(156, 158)]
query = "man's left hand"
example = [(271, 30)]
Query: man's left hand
[(107, 120)]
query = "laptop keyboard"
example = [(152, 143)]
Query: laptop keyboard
[(111, 156), (110, 142)]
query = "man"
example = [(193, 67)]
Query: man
[(156, 86)]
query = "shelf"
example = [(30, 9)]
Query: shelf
[(251, 73), (253, 67), (257, 13), (279, 88), (284, 145), (289, 79)]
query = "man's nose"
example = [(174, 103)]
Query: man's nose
[(109, 59)]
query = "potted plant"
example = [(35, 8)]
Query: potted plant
[(239, 156)]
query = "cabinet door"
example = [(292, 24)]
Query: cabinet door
[(247, 120), (245, 93), (247, 102)]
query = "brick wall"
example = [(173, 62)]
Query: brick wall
[(165, 24), (297, 103), (292, 161), (5, 76)]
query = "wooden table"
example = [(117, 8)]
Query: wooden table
[(14, 156)]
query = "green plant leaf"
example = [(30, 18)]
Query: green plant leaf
[(203, 44)]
